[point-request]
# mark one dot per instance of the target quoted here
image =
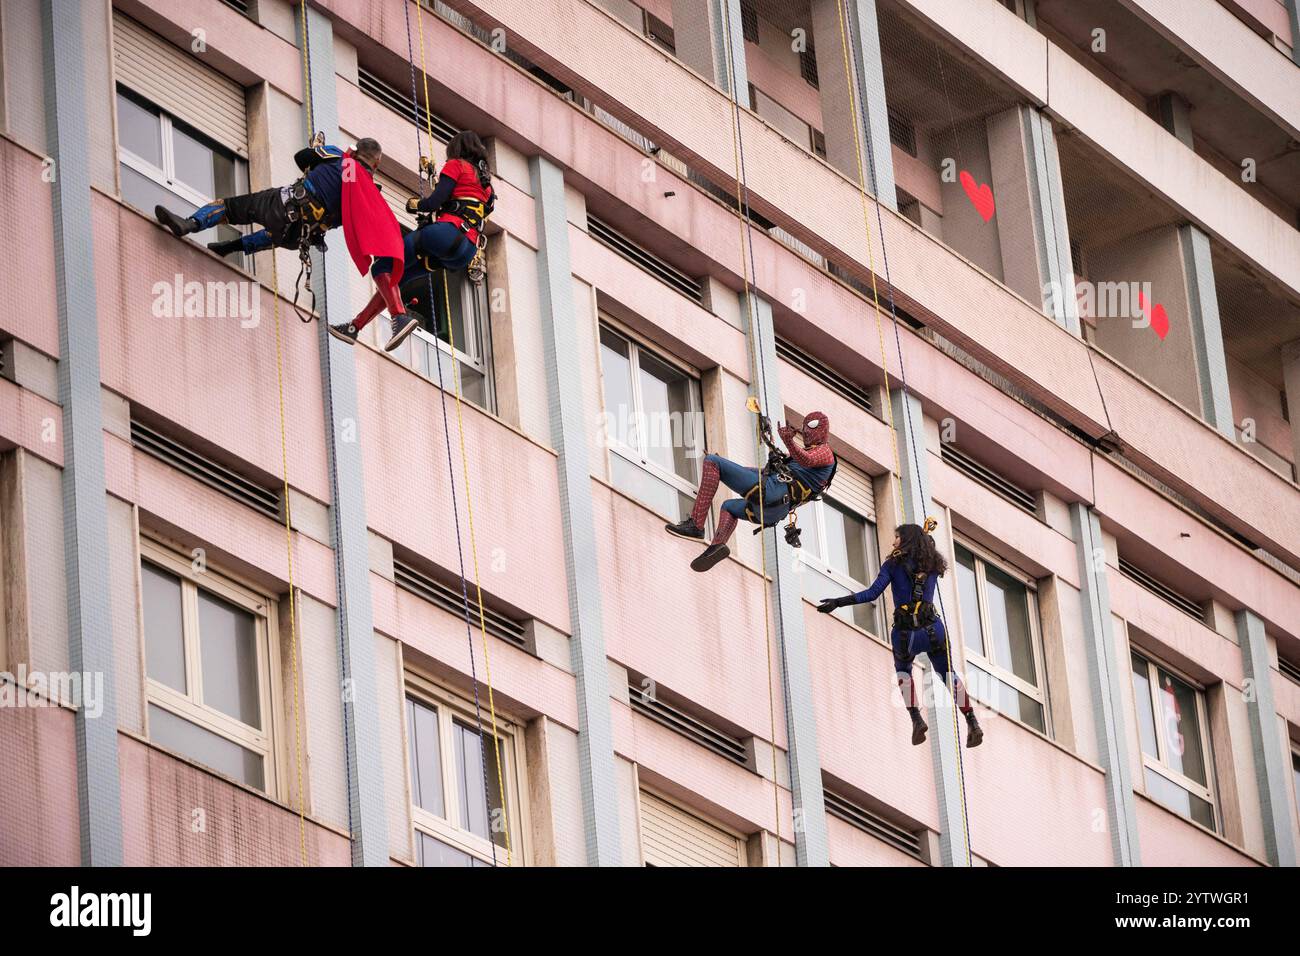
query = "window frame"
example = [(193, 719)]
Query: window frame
[(188, 706), (451, 710), (634, 456), (474, 302), (165, 176), (819, 563), (985, 557), (1206, 791)]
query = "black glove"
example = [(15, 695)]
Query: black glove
[(830, 604), (413, 204)]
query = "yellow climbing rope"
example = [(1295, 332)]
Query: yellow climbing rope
[(469, 501), (755, 405), (855, 112)]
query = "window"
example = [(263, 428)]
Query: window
[(456, 801), (1295, 777), (660, 32), (749, 20), (1172, 728), (653, 425), (165, 162), (808, 65), (208, 667), (673, 836), (468, 328), (999, 622), (840, 556)]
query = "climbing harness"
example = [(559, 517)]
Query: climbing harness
[(473, 214), (798, 492), (469, 504), (303, 210)]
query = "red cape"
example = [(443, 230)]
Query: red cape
[(369, 225)]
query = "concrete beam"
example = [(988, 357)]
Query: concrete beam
[(564, 376), (1106, 677), (85, 510), (945, 743), (1272, 755), (810, 841), (356, 637)]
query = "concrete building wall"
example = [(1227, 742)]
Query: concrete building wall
[(1031, 798)]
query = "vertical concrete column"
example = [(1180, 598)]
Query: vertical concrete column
[(854, 111), (564, 375), (1107, 676), (700, 31), (1032, 229), (1272, 756), (1207, 332), (356, 637), (1291, 386), (954, 833), (810, 844), (1174, 114), (85, 511)]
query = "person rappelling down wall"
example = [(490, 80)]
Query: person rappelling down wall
[(449, 232), (337, 188), (788, 480), (912, 572)]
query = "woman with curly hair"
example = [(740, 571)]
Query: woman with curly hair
[(912, 572)]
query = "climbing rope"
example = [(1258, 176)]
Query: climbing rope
[(748, 269), (469, 505), (902, 371), (329, 417)]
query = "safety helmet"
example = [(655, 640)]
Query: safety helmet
[(816, 428)]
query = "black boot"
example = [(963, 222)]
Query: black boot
[(177, 225), (686, 528), (711, 556), (345, 331), (919, 726), (226, 247), (974, 734)]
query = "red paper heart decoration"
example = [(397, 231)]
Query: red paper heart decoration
[(981, 196), (1159, 320)]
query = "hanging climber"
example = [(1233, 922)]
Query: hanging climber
[(912, 572), (449, 236), (788, 480), (337, 188)]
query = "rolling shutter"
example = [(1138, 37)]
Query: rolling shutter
[(186, 88), (672, 837), (853, 489)]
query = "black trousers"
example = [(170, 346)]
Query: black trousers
[(266, 209)]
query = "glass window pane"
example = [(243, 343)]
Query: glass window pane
[(436, 853), (1182, 729), (1008, 604), (653, 492), (971, 625), (666, 417), (228, 650), (1142, 700), (846, 547), (426, 757), (1169, 794), (164, 637), (224, 756), (144, 193), (616, 367), (193, 159), (1005, 699), (472, 776), (139, 131)]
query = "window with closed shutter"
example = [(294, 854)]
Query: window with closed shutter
[(670, 836), (180, 83)]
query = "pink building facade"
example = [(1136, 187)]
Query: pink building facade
[(233, 626)]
